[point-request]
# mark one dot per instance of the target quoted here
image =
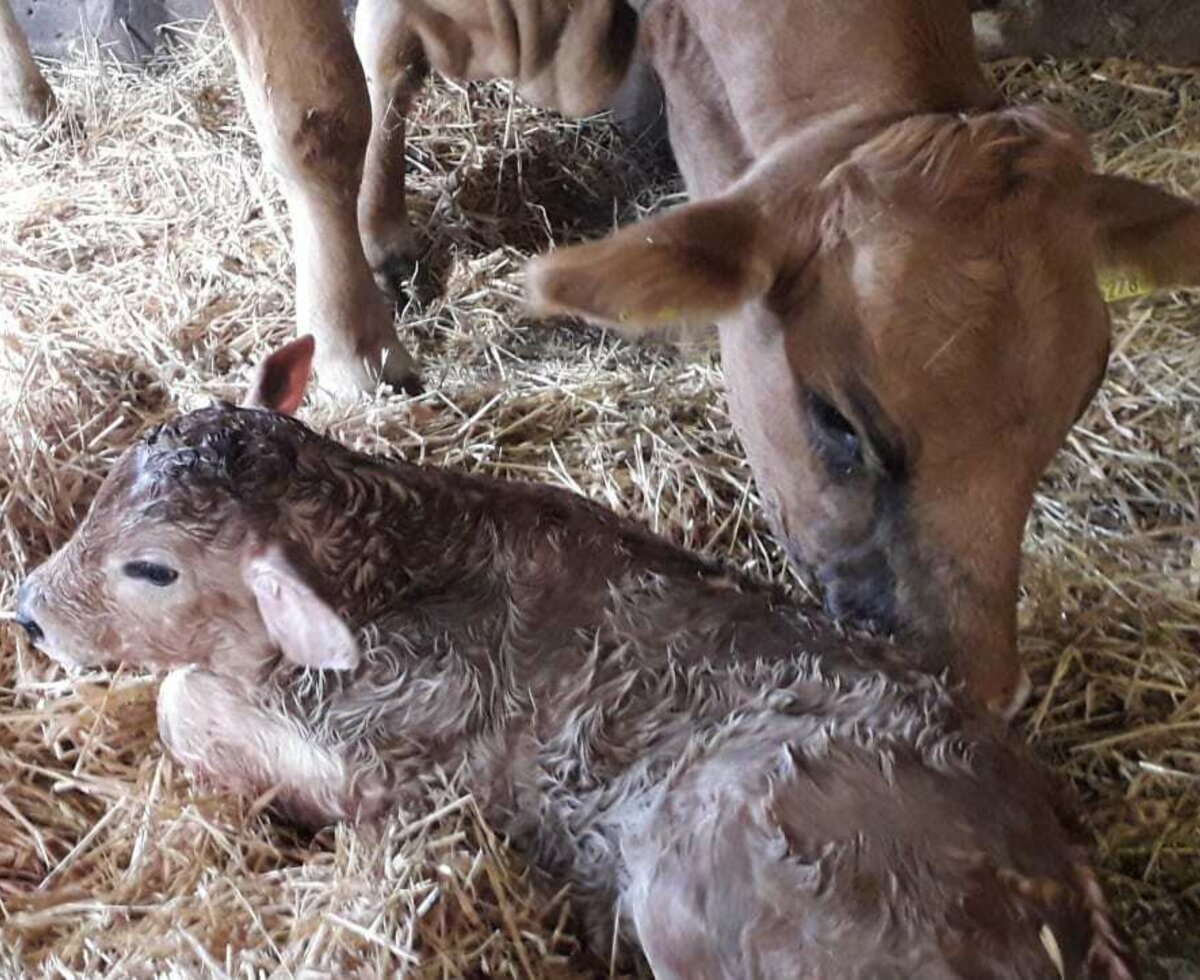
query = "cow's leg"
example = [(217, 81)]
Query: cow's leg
[(639, 108), (306, 94), (224, 737), (25, 97), (395, 64)]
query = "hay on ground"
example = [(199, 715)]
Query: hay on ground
[(144, 266)]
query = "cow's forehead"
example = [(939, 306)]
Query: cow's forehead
[(933, 319), (1008, 274)]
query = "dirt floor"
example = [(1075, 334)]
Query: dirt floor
[(143, 267)]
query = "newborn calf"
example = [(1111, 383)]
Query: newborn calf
[(750, 791)]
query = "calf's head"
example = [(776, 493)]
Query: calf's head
[(909, 328), (189, 555)]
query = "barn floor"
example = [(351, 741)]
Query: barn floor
[(143, 267)]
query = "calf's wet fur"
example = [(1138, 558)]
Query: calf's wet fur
[(738, 787)]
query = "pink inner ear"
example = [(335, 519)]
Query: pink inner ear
[(307, 631), (282, 378)]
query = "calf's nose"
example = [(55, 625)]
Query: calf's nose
[(24, 617), (31, 628)]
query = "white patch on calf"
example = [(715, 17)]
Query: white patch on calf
[(216, 731)]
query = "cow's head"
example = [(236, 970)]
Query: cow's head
[(907, 337)]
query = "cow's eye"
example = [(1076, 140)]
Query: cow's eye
[(148, 571), (837, 439)]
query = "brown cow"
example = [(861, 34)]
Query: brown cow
[(904, 274), (904, 270), (307, 94), (753, 791)]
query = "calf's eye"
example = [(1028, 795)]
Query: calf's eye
[(148, 571)]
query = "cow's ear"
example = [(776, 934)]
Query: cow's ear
[(280, 381), (684, 268), (1148, 239)]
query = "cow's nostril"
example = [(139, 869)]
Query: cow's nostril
[(862, 608), (865, 593), (31, 628), (834, 600)]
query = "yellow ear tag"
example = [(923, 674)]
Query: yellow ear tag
[(1115, 287)]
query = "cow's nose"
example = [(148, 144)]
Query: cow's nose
[(863, 591)]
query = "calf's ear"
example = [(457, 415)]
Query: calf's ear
[(1149, 239), (306, 630), (280, 381), (685, 268)]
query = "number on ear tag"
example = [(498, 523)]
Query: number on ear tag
[(1118, 286)]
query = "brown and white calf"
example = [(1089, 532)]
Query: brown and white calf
[(739, 788)]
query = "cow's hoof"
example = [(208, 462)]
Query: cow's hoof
[(400, 368), (392, 251), (394, 275), (410, 384), (28, 106), (356, 374)]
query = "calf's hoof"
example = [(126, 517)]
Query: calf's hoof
[(1007, 708)]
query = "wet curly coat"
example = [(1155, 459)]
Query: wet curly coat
[(739, 787)]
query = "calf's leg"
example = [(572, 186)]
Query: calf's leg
[(307, 96), (223, 736), (25, 98)]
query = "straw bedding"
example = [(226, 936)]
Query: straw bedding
[(144, 266)]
